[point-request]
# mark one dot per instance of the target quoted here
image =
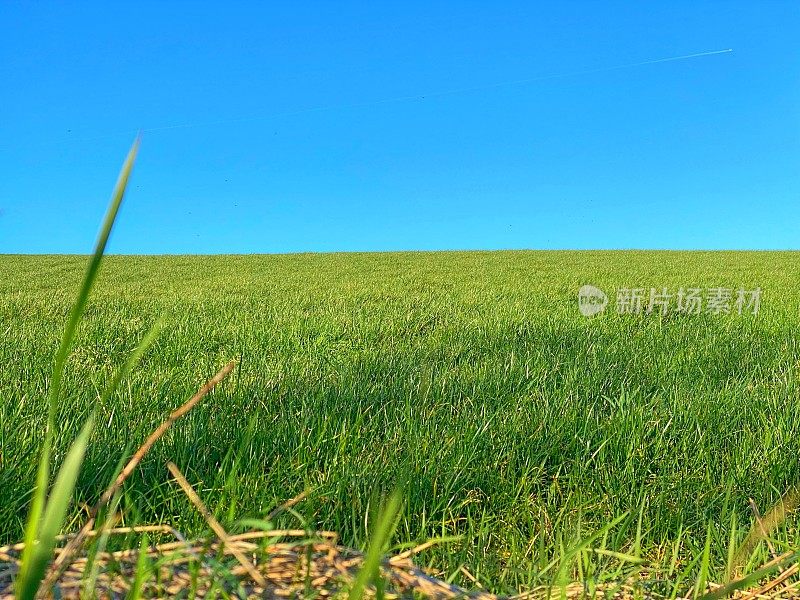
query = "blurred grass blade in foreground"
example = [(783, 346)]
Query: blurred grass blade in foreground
[(40, 532), (384, 528)]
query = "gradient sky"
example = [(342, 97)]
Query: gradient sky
[(286, 127)]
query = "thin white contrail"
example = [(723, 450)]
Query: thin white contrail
[(407, 98), (439, 93)]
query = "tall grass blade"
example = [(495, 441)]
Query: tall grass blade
[(702, 579), (33, 534), (27, 585), (88, 281), (377, 546)]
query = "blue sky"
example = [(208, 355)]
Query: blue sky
[(292, 127)]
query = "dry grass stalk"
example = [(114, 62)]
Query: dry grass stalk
[(762, 529), (214, 524), (287, 505), (764, 526), (61, 561)]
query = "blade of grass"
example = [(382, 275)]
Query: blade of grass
[(729, 564), (380, 537), (89, 279), (126, 368), (33, 524), (27, 585), (702, 578), (142, 571)]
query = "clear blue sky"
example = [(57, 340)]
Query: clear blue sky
[(695, 153)]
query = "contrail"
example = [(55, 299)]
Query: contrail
[(408, 98), (439, 93), (695, 55)]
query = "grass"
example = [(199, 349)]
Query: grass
[(468, 380)]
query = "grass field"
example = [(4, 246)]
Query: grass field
[(467, 379)]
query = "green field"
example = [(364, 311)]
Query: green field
[(468, 380)]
